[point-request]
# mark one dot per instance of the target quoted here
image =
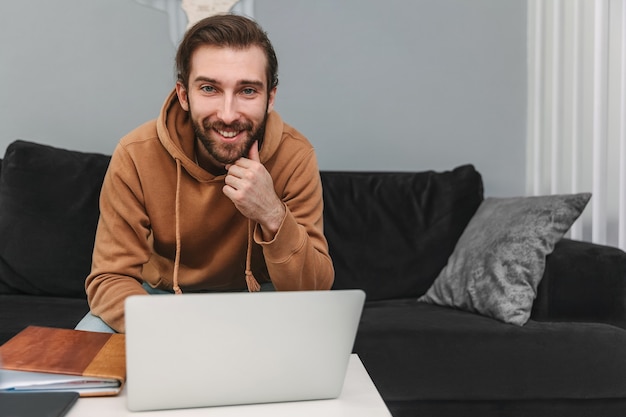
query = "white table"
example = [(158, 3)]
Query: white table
[(359, 398)]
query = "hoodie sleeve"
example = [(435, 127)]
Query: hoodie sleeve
[(297, 258), (121, 244)]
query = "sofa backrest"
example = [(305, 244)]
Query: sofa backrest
[(48, 217), (391, 234)]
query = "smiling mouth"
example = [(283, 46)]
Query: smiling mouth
[(228, 134)]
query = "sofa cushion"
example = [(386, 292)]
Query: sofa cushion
[(48, 217), (390, 234), (500, 258), (418, 351)]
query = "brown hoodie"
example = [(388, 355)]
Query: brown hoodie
[(163, 218)]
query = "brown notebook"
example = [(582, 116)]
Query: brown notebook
[(51, 359)]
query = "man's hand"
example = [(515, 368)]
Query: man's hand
[(251, 189)]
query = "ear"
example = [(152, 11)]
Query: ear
[(183, 98), (270, 101)]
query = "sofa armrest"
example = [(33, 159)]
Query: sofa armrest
[(583, 282)]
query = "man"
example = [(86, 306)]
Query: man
[(217, 194)]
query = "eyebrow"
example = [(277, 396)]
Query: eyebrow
[(256, 83)]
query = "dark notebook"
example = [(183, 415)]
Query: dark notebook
[(36, 404)]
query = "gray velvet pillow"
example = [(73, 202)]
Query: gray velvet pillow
[(499, 260)]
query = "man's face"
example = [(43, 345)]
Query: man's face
[(227, 99)]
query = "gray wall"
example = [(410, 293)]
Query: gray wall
[(389, 85)]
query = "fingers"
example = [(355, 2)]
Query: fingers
[(240, 167), (250, 187), (246, 181), (254, 152), (250, 161), (253, 155), (242, 176), (237, 179)]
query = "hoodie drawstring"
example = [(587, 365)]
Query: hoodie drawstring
[(177, 289), (251, 282)]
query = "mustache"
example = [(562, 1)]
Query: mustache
[(220, 125)]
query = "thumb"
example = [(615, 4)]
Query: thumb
[(254, 152)]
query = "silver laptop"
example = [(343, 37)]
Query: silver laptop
[(199, 350)]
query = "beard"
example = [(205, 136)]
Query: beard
[(228, 153)]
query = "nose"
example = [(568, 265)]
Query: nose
[(228, 111)]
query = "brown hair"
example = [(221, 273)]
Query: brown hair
[(227, 30)]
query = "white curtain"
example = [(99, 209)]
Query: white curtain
[(577, 110)]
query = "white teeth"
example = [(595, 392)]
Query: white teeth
[(228, 134)]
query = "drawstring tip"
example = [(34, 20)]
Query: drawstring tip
[(253, 284), (177, 290)]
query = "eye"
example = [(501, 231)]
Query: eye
[(207, 89), (248, 91)]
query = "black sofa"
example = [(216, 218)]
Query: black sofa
[(390, 234)]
